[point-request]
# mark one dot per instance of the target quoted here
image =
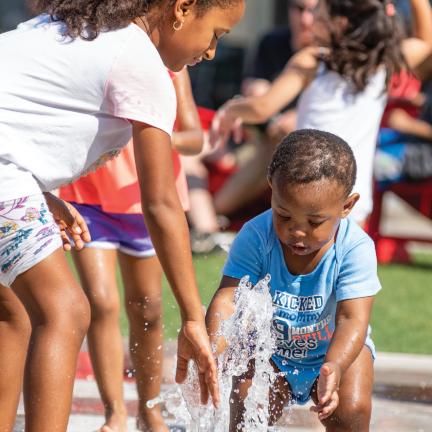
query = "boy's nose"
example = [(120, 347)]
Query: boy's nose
[(297, 233)]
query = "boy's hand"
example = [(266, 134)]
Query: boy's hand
[(71, 223), (194, 344), (327, 391)]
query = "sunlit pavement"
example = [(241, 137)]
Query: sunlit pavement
[(405, 378)]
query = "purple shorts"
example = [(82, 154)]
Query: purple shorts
[(124, 232)]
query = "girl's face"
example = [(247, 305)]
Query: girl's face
[(307, 216), (197, 39)]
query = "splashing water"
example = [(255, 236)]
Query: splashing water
[(249, 336)]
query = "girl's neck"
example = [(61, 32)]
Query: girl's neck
[(148, 24)]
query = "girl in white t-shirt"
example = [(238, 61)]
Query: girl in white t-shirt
[(75, 84), (344, 81)]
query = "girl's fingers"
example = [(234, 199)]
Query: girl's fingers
[(65, 240), (80, 227)]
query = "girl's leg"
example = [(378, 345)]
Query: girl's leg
[(143, 296), (59, 315), (15, 331), (97, 270), (355, 397)]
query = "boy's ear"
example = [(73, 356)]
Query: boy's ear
[(349, 204), (269, 182), (184, 8)]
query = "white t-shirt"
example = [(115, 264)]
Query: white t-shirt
[(65, 104), (329, 104)]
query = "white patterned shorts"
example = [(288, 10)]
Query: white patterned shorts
[(28, 234)]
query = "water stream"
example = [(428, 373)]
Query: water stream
[(249, 336)]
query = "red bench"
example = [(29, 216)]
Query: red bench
[(419, 196)]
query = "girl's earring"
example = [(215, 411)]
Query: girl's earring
[(178, 25)]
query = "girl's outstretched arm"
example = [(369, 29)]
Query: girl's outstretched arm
[(422, 20), (418, 48), (167, 225), (352, 320), (189, 137), (299, 72)]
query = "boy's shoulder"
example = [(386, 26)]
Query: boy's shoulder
[(350, 237), (261, 226)]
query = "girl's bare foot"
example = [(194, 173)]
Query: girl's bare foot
[(151, 420), (116, 422)]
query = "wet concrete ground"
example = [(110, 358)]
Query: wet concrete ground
[(388, 415)]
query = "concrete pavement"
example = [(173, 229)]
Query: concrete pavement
[(402, 400)]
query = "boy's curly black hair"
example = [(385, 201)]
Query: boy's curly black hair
[(372, 38), (87, 18), (310, 155)]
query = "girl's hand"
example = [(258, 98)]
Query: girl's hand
[(327, 391), (71, 223), (223, 125), (194, 344)]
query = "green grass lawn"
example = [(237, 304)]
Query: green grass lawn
[(402, 315)]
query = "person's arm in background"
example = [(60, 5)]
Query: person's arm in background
[(188, 139), (417, 49), (401, 121), (300, 71), (167, 225)]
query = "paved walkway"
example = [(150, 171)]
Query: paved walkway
[(402, 400), (388, 416)]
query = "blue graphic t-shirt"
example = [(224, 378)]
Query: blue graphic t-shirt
[(305, 305)]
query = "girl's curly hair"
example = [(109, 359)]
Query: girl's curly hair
[(371, 39), (87, 18)]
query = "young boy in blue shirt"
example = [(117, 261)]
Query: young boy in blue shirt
[(323, 281)]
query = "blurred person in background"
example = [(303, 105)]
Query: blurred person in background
[(343, 79), (249, 181)]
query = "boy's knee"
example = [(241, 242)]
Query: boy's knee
[(354, 417), (144, 312)]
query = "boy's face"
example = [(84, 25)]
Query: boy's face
[(197, 39), (307, 216)]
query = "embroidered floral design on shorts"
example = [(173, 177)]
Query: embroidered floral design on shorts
[(27, 231), (47, 231), (31, 214), (42, 247), (10, 263), (21, 235), (8, 228)]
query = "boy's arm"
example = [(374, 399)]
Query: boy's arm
[(167, 225), (221, 308), (352, 320)]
